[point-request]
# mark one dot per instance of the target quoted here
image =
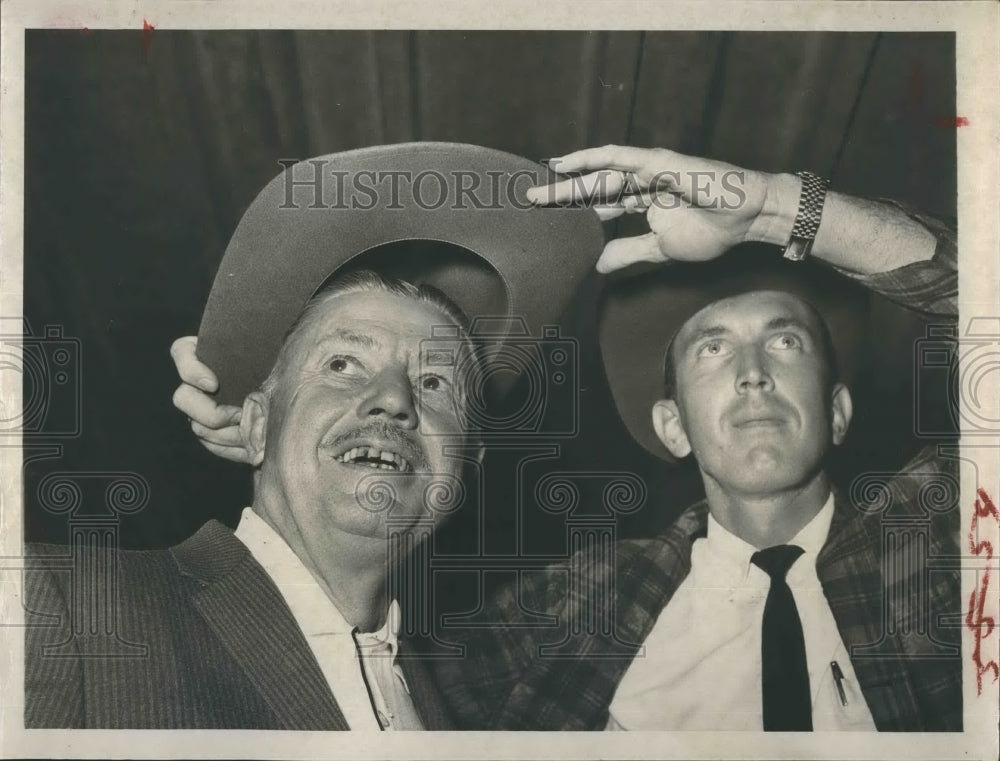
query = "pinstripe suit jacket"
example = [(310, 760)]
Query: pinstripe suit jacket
[(202, 639)]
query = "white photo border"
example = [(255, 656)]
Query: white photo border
[(976, 27)]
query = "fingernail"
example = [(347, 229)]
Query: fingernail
[(237, 416), (532, 194), (205, 383)]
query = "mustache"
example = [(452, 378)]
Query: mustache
[(408, 445)]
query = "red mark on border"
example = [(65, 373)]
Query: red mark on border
[(147, 37), (979, 624), (952, 122)]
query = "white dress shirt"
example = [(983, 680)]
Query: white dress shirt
[(702, 664), (354, 664)]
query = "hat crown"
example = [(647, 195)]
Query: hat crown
[(320, 214)]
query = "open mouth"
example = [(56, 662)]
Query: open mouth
[(375, 458)]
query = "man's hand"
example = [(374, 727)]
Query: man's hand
[(697, 208), (215, 425)]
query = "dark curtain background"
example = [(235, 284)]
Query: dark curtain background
[(142, 152)]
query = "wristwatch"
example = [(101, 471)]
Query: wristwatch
[(808, 217)]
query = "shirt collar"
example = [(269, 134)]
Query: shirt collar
[(725, 546), (812, 536), (387, 636), (311, 607)]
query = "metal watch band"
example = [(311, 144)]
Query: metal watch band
[(808, 217)]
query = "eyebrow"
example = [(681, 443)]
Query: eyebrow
[(712, 331), (364, 340), (775, 323), (787, 322)]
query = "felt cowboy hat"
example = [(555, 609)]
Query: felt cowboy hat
[(643, 308), (449, 215)]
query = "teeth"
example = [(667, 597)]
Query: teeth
[(376, 459)]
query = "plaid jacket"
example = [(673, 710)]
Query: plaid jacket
[(550, 653)]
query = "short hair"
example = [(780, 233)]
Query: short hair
[(368, 281), (829, 352)]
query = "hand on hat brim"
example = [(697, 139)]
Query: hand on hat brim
[(622, 252), (614, 170), (637, 203), (183, 352), (203, 409), (677, 233), (233, 454), (697, 208), (215, 425), (624, 157), (218, 437)]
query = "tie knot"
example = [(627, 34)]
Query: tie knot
[(775, 561)]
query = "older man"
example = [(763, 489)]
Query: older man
[(350, 425)]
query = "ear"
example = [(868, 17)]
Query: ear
[(841, 409), (669, 428), (253, 426)]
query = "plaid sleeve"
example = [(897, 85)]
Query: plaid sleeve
[(549, 649), (495, 654), (927, 489), (930, 287), (926, 694)]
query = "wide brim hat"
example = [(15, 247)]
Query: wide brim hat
[(642, 308), (333, 213)]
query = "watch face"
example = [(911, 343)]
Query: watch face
[(798, 248)]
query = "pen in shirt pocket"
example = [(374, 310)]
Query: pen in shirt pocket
[(838, 679)]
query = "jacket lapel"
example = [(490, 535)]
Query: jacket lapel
[(242, 605)]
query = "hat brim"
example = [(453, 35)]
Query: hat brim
[(298, 233), (642, 309)]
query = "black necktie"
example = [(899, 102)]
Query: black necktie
[(787, 699)]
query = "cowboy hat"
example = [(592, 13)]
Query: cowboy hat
[(336, 212)]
